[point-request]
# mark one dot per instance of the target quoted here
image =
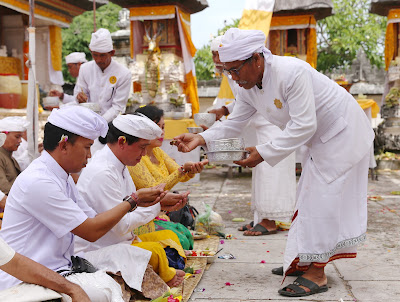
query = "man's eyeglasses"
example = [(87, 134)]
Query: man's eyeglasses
[(235, 71)]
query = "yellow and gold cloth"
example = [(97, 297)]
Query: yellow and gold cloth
[(147, 174), (391, 40), (296, 22), (188, 49), (55, 47), (174, 128), (10, 66), (364, 104), (56, 10)]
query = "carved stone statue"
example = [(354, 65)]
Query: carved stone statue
[(123, 17)]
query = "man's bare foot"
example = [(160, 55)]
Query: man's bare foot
[(266, 223), (314, 274), (177, 279)]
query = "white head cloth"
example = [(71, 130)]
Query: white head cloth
[(215, 43), (101, 41), (76, 57), (240, 44), (13, 124), (79, 120), (138, 126)]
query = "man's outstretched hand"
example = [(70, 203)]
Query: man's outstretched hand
[(186, 142)]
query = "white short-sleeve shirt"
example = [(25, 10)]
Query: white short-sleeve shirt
[(6, 252), (42, 209)]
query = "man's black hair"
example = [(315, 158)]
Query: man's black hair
[(152, 112), (114, 133), (53, 134)]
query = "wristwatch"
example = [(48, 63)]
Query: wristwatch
[(132, 202)]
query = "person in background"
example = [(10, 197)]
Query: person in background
[(74, 61), (273, 190), (21, 154), (13, 127), (103, 80)]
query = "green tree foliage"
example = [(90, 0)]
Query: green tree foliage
[(77, 36), (203, 61), (204, 64), (352, 27)]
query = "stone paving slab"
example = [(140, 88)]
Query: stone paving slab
[(232, 228), (255, 281), (372, 277), (376, 291), (271, 251)]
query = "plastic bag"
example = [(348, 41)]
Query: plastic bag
[(210, 222)]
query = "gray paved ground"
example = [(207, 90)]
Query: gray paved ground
[(373, 276)]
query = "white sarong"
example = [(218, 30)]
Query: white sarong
[(273, 188), (330, 219)]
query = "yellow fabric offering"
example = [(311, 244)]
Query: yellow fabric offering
[(390, 39), (364, 104), (155, 243), (147, 174)]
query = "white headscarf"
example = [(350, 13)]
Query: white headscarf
[(76, 57), (101, 41), (215, 43), (138, 126), (79, 120), (13, 124), (239, 44)]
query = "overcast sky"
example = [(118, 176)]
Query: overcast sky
[(207, 22)]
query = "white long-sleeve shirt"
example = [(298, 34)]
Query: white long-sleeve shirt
[(110, 88), (310, 109), (103, 184)]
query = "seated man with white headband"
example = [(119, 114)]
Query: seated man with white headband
[(44, 210), (13, 127), (330, 217), (106, 180), (103, 80), (74, 61)]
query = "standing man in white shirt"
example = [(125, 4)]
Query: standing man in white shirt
[(330, 218), (44, 210), (106, 180), (273, 189), (74, 61), (103, 80)]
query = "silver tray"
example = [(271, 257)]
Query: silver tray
[(226, 156)]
